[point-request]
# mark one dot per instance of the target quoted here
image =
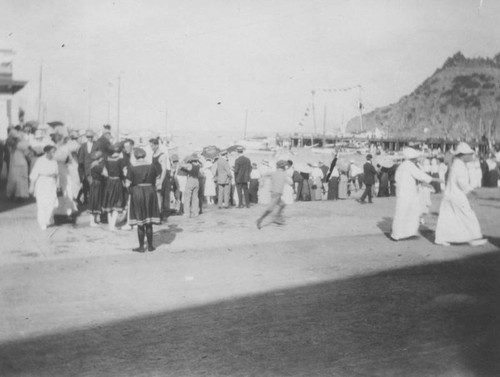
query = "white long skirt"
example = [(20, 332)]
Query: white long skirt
[(46, 200), (457, 222), (288, 196), (407, 217)]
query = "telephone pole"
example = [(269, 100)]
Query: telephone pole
[(118, 111)]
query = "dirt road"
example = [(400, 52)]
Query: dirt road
[(326, 295)]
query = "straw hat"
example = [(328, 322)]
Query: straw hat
[(463, 148), (410, 153)]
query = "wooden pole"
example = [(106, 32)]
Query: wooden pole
[(360, 109), (314, 112), (118, 111), (324, 125), (40, 94), (246, 123)]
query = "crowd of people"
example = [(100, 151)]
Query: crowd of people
[(125, 185)]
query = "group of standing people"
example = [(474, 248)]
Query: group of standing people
[(116, 181)]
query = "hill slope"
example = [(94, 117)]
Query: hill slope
[(461, 99)]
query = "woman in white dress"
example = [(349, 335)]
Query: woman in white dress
[(457, 222), (43, 184), (317, 182), (265, 182), (209, 182), (62, 155), (408, 204)]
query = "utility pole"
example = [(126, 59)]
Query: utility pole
[(118, 111), (40, 94), (360, 109), (314, 112), (324, 125), (246, 122), (166, 119)]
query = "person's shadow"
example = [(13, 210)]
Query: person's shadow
[(166, 236), (385, 225)]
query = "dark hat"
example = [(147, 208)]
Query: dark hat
[(223, 152), (192, 158), (48, 148), (174, 158), (369, 156), (139, 153), (116, 148), (281, 164), (97, 155), (240, 148)]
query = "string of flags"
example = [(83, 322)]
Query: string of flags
[(334, 90), (325, 90)]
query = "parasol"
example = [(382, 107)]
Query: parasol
[(55, 123), (385, 162), (210, 152)]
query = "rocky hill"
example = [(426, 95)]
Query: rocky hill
[(460, 100)]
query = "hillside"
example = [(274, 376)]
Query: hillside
[(460, 100)]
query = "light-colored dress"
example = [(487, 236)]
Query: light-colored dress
[(209, 180), (317, 181), (64, 160), (288, 194), (408, 205), (44, 178), (17, 180), (457, 222), (265, 184)]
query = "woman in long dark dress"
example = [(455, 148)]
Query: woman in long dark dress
[(96, 187), (144, 210), (304, 188), (383, 177), (114, 192), (333, 184)]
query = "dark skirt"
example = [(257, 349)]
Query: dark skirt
[(383, 189), (493, 178), (114, 196), (144, 205), (304, 191), (253, 190), (95, 197), (333, 189), (436, 185)]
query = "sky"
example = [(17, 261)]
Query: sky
[(226, 66)]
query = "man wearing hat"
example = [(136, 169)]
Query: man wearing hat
[(191, 199), (104, 144), (369, 173), (85, 153), (223, 178), (242, 170), (278, 181)]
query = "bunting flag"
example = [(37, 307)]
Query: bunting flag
[(330, 90), (306, 114), (334, 90)]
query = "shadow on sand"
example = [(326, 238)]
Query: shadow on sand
[(432, 320)]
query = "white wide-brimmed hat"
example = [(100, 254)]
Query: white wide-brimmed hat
[(463, 148), (410, 153)]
